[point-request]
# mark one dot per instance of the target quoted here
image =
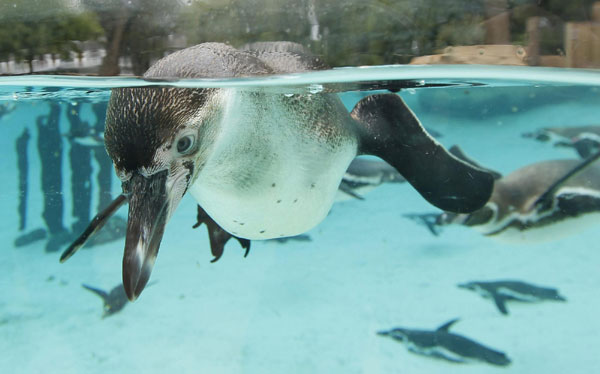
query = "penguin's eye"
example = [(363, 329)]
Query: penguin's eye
[(185, 144)]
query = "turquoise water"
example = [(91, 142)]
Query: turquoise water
[(305, 306)]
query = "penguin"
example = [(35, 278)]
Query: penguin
[(364, 175), (584, 139), (114, 301), (361, 176), (504, 290), (442, 344), (260, 163), (540, 202), (297, 238)]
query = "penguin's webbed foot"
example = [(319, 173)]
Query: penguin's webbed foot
[(217, 236)]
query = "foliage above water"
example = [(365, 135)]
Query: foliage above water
[(55, 29), (348, 32)]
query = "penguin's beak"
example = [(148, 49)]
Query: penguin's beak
[(148, 214)]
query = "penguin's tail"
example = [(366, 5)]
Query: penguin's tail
[(391, 131)]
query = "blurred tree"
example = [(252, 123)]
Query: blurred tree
[(138, 29), (343, 32), (351, 32), (53, 28)]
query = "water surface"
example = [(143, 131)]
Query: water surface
[(303, 306)]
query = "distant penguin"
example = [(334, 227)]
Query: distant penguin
[(261, 164), (364, 175), (539, 202), (114, 301), (584, 139), (506, 290), (297, 238), (442, 344)]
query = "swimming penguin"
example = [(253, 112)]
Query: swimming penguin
[(539, 202), (114, 301), (504, 290), (364, 175), (584, 139), (442, 344), (260, 163)]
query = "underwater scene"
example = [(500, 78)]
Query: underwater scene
[(386, 281)]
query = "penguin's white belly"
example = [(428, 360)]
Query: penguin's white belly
[(551, 232), (267, 176)]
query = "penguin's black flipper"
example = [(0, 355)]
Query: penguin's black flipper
[(446, 326), (460, 154), (96, 224), (501, 303), (392, 132), (103, 294), (217, 236)]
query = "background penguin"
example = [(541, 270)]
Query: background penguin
[(539, 202), (261, 164), (364, 175), (114, 301), (584, 139), (505, 290), (442, 344)]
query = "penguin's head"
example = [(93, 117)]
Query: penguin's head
[(399, 334), (158, 139), (469, 286)]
